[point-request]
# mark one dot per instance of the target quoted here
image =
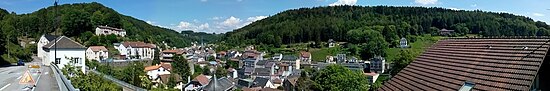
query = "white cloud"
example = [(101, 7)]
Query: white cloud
[(343, 2), (538, 14), (204, 0), (425, 2), (216, 24), (473, 5), (231, 22), (454, 8), (256, 18), (216, 18)]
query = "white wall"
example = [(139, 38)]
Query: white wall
[(65, 54), (40, 52), (153, 74), (91, 55)]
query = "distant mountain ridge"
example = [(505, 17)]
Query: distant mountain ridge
[(334, 22)]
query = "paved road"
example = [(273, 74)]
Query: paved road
[(10, 77)]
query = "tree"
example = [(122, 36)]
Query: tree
[(375, 45), (171, 81), (338, 78), (403, 59), (75, 22), (181, 67), (132, 72)]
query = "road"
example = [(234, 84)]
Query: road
[(10, 77)]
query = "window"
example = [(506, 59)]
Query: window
[(467, 86), (57, 60)]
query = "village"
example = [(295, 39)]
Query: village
[(247, 69)]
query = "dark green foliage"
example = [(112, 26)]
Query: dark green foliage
[(323, 23), (181, 67), (89, 82), (131, 73), (333, 78), (401, 61)]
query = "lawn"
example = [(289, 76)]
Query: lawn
[(320, 55), (417, 47)]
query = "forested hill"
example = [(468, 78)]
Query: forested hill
[(324, 23), (76, 19)]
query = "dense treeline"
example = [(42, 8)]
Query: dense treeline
[(334, 22), (78, 21)]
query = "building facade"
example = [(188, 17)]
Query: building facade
[(106, 30), (136, 50), (98, 53), (63, 52)]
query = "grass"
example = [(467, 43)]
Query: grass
[(320, 55), (417, 47)]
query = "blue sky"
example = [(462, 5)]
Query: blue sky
[(220, 16)]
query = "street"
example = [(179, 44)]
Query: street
[(10, 77)]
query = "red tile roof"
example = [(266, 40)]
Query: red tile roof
[(201, 79), (491, 64), (173, 51)]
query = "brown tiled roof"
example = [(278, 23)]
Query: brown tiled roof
[(491, 64), (305, 54), (202, 79), (138, 45), (148, 68), (166, 77), (98, 48), (64, 42), (177, 51)]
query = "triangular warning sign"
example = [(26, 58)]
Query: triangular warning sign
[(26, 79)]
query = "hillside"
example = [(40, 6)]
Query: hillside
[(78, 21), (324, 23)]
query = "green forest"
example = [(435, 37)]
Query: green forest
[(78, 21), (338, 22)]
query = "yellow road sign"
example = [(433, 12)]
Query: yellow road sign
[(27, 78)]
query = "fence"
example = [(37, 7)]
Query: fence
[(119, 82), (63, 83)]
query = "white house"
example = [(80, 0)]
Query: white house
[(155, 71), (377, 64), (136, 50), (64, 51), (106, 30), (97, 53), (44, 39), (305, 57), (403, 43)]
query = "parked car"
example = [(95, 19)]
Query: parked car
[(20, 62)]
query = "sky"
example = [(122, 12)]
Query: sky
[(220, 16)]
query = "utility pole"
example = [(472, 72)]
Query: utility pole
[(56, 23)]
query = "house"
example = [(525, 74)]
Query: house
[(305, 57), (106, 30), (403, 43), (445, 32), (98, 53), (153, 72), (277, 57), (290, 83), (262, 83), (136, 50), (65, 51), (197, 83), (168, 55), (292, 60), (44, 39), (377, 64), (341, 58), (165, 78), (221, 84), (371, 77), (331, 43), (464, 64), (329, 59)]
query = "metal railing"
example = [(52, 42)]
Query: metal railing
[(118, 82), (63, 83)]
